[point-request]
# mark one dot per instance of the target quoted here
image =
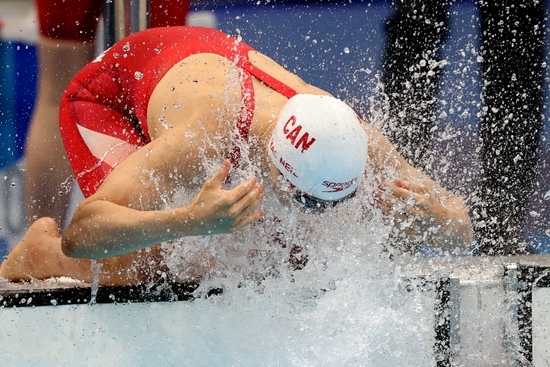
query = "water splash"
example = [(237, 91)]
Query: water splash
[(96, 270), (349, 305), (304, 289)]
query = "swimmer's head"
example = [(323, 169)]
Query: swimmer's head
[(320, 147)]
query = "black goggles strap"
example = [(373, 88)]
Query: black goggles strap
[(312, 202)]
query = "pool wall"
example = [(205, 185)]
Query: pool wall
[(497, 315)]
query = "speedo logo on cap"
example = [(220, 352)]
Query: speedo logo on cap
[(293, 133), (338, 186)]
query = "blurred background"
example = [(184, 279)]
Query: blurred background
[(335, 45)]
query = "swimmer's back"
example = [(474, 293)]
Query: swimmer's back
[(108, 98)]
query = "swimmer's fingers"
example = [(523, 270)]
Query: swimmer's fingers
[(215, 210), (400, 207), (424, 198), (390, 199), (240, 198), (390, 206), (418, 188), (412, 225), (405, 222), (402, 198), (246, 193), (245, 209)]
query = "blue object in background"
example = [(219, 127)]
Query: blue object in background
[(4, 248), (335, 46), (18, 81), (17, 94)]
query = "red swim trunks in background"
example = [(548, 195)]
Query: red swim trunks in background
[(77, 20), (103, 113)]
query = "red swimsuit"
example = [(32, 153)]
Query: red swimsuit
[(103, 114)]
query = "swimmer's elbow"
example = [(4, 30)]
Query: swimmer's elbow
[(75, 238), (69, 247), (74, 249), (73, 245), (70, 239)]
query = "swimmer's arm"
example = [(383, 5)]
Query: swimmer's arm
[(442, 218), (103, 228)]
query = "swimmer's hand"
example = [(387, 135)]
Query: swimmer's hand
[(424, 214), (215, 210), (103, 228)]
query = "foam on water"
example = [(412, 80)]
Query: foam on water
[(356, 323)]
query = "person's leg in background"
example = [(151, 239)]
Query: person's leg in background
[(65, 45), (169, 12), (411, 68), (511, 124)]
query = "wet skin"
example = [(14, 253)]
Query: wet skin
[(125, 220)]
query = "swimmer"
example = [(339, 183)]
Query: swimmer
[(141, 122)]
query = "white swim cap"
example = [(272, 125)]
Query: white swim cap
[(320, 146)]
